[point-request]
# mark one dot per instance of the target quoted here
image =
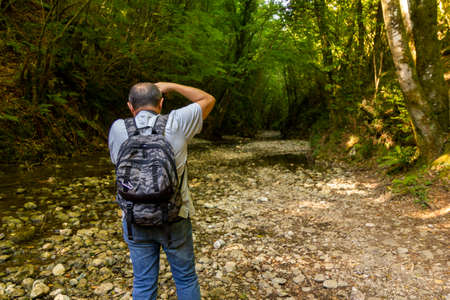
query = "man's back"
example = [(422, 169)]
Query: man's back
[(175, 237), (182, 125)]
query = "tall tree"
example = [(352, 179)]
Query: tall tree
[(421, 80)]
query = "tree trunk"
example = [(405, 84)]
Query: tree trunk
[(431, 134)]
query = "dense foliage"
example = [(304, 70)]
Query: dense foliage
[(319, 69)]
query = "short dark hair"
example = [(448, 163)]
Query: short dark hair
[(143, 94)]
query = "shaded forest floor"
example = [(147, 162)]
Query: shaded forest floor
[(269, 225)]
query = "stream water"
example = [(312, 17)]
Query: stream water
[(37, 202)]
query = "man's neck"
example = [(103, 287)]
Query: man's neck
[(152, 108)]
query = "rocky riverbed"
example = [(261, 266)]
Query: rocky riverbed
[(269, 225)]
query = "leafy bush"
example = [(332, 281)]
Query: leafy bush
[(398, 159), (413, 185)]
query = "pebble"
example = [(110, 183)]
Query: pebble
[(27, 283), (14, 291), (427, 254), (30, 205), (59, 270), (104, 288), (62, 297), (262, 199), (330, 284), (65, 232), (230, 266), (39, 289), (299, 279), (219, 243), (401, 250), (319, 278), (56, 292), (20, 190), (278, 280), (356, 294)]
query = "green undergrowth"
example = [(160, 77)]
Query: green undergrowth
[(409, 176)]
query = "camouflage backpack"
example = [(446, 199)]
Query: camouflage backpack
[(146, 176)]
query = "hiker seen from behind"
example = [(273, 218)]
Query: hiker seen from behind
[(149, 151)]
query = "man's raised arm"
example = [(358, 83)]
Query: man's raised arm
[(205, 100)]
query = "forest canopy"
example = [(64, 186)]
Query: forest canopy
[(320, 69)]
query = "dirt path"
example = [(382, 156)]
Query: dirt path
[(268, 228)]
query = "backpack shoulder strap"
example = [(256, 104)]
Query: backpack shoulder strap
[(160, 124), (130, 125)]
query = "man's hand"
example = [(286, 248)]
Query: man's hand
[(164, 87), (205, 100)]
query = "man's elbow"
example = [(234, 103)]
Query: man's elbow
[(212, 100)]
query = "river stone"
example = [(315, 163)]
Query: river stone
[(427, 254), (219, 243), (97, 262), (20, 190), (39, 289), (319, 278), (278, 280), (27, 283), (104, 288), (230, 266), (4, 258), (299, 279), (37, 219), (61, 297), (356, 294), (65, 232), (30, 205), (56, 292), (59, 270), (330, 284), (14, 291)]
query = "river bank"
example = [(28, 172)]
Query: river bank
[(269, 224)]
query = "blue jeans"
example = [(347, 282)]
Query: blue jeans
[(176, 240)]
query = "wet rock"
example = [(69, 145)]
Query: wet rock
[(330, 284), (24, 235), (59, 270), (27, 283), (37, 219), (14, 291), (65, 232), (20, 191), (97, 262), (73, 282), (104, 288), (39, 289), (30, 205), (4, 258), (56, 292)]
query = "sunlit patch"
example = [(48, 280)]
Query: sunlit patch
[(432, 214), (352, 140)]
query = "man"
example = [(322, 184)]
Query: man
[(145, 102)]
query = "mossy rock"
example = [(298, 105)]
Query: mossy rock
[(442, 165)]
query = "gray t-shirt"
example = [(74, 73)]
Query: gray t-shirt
[(181, 127)]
